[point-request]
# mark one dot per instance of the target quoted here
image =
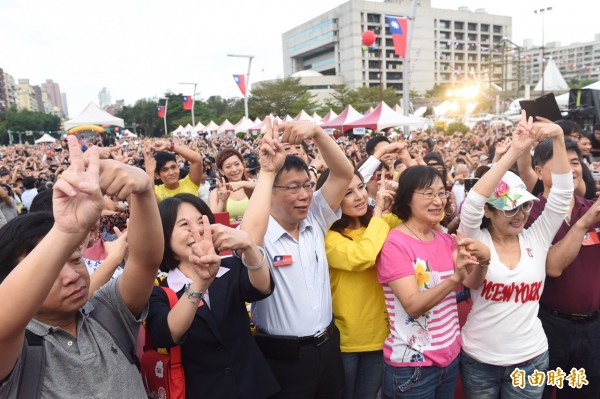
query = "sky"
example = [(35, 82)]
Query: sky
[(144, 48)]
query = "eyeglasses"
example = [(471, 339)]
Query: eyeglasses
[(431, 195), (295, 188), (525, 207)]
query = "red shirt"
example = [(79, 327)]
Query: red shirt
[(577, 290)]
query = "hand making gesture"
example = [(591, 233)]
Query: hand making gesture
[(271, 152), (205, 260)]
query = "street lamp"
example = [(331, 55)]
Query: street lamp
[(167, 108), (193, 99), (542, 12), (247, 78)]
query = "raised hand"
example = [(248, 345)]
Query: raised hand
[(117, 248), (223, 189), (523, 136), (384, 197), (271, 152), (161, 145), (297, 132), (546, 129), (226, 239), (77, 199), (475, 248), (503, 146), (205, 260), (119, 180), (464, 261)]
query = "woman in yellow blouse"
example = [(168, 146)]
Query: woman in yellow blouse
[(352, 245)]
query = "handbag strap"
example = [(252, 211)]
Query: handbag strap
[(30, 386), (175, 351)]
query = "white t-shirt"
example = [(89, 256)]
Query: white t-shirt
[(503, 328)]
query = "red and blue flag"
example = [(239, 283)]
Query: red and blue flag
[(240, 80), (161, 111), (187, 103), (399, 32)]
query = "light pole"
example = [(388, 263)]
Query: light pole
[(542, 12), (247, 80), (193, 99), (166, 109)]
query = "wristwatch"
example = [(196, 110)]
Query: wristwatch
[(193, 296)]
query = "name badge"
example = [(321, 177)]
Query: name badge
[(590, 238), (282, 260)]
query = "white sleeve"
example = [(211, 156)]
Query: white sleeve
[(369, 167), (471, 215)]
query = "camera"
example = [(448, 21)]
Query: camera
[(469, 183)]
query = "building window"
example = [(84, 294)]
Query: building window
[(497, 29), (444, 24), (472, 26), (459, 25), (394, 75), (376, 18), (485, 27)]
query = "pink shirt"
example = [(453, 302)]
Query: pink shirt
[(434, 338)]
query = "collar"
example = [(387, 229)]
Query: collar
[(275, 231), (42, 329), (176, 279)]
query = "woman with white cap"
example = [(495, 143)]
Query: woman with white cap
[(503, 340)]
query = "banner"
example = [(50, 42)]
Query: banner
[(161, 111), (240, 80), (187, 103)]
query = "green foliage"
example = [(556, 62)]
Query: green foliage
[(281, 97), (575, 83), (21, 121), (457, 127)]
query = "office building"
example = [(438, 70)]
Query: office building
[(448, 46), (104, 98)]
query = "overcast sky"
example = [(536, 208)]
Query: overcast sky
[(143, 48)]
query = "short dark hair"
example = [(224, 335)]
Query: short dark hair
[(42, 202), (544, 151), (569, 127), (168, 215), (372, 143), (292, 162), (597, 126), (436, 156), (162, 158), (19, 237), (414, 178), (29, 182)]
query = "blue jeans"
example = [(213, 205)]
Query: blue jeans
[(363, 371), (428, 382), (485, 381)]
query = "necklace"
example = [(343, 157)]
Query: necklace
[(413, 233)]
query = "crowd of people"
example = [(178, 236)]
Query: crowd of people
[(306, 265)]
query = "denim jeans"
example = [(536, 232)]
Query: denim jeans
[(428, 382), (364, 372), (485, 381)]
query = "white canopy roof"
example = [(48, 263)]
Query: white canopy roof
[(211, 127), (303, 116), (226, 127), (94, 115), (553, 80), (244, 125), (46, 138)]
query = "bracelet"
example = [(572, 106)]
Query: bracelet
[(314, 170), (191, 294), (262, 262)]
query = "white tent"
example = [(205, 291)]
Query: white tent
[(244, 125), (177, 132), (94, 115), (226, 127), (316, 118), (303, 116), (46, 138), (553, 80), (211, 127)]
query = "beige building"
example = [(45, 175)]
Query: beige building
[(26, 96), (448, 46)]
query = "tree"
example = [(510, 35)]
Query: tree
[(361, 98), (24, 120), (281, 97)]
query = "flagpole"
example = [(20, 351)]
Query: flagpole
[(165, 118), (405, 64)]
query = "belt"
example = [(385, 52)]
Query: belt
[(318, 339), (577, 317)]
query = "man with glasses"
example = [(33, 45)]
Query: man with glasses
[(570, 302), (295, 326)]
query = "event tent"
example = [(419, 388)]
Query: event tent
[(303, 116), (384, 117), (226, 127), (94, 115), (316, 118), (329, 116), (211, 127), (341, 122), (243, 124), (553, 79), (46, 138)]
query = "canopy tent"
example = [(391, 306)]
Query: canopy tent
[(94, 115), (211, 127), (199, 128), (46, 138), (226, 127), (177, 132), (316, 118), (243, 125), (367, 112), (384, 117), (341, 122), (553, 80), (129, 133), (303, 116), (329, 116)]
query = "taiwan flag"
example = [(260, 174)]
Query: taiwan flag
[(240, 80), (187, 103), (161, 111), (399, 32)]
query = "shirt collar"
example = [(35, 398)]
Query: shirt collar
[(176, 279), (275, 231)]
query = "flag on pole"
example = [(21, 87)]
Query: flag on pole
[(187, 103), (240, 80), (399, 32), (161, 111)]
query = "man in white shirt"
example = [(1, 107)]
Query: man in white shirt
[(295, 324), (30, 191)]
